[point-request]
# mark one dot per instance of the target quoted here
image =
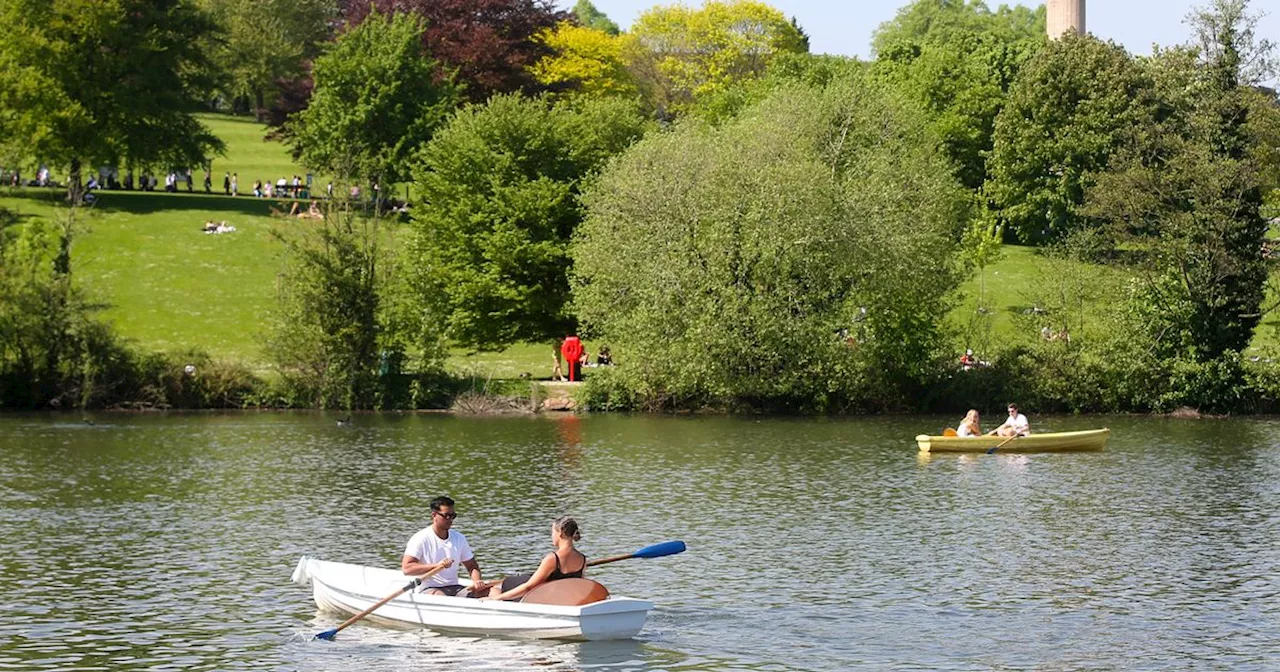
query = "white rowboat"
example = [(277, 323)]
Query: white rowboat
[(349, 589)]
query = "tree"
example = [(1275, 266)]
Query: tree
[(943, 21), (771, 261), (590, 17), (487, 45), (1073, 105), (1187, 190), (94, 83), (376, 101), (679, 53), (263, 43), (588, 60), (501, 183), (963, 84)]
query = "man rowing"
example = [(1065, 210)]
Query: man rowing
[(1015, 425), (441, 547)]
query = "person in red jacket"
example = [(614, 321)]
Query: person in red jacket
[(572, 351)]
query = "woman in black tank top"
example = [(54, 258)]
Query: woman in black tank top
[(566, 563)]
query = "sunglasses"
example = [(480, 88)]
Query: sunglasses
[(450, 516)]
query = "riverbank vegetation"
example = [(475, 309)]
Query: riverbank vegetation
[(746, 225)]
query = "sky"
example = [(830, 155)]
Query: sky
[(845, 26)]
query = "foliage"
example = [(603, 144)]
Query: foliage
[(732, 265), (1075, 103), (679, 53), (946, 21), (1226, 35), (264, 43), (326, 340), (590, 17), (786, 69), (502, 181), (962, 83), (486, 46), (89, 83), (586, 59), (375, 102)]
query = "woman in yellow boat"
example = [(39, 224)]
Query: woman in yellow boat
[(969, 426)]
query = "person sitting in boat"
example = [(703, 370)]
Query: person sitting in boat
[(1016, 425), (969, 426), (441, 547), (566, 562)]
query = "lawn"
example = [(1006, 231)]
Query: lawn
[(168, 286)]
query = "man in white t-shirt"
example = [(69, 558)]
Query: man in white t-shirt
[(440, 546), (1016, 425)]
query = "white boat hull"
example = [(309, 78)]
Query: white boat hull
[(349, 589)]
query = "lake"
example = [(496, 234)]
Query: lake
[(166, 541)]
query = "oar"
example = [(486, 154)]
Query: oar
[(1002, 443), (654, 551), (417, 581)]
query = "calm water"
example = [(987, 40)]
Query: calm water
[(166, 542)]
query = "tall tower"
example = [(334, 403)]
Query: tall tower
[(1064, 15)]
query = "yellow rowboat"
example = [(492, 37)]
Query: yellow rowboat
[(1052, 442)]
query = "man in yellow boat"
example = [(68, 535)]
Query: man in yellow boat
[(1016, 425)]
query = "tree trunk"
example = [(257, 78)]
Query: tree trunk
[(74, 189)]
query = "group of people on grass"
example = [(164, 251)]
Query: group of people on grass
[(1015, 425), (439, 549)]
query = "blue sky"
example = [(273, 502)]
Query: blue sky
[(845, 26)]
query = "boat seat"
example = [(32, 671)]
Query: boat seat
[(567, 593)]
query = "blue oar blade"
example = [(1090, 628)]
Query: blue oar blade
[(327, 635), (659, 550)]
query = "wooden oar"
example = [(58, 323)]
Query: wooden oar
[(1002, 443), (417, 581)]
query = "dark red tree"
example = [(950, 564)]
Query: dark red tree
[(489, 43)]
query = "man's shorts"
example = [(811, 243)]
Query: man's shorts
[(451, 591)]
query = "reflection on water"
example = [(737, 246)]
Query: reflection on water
[(167, 541)]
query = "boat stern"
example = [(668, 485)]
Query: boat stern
[(924, 441), (301, 574)]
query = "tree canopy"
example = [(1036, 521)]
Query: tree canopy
[(488, 45), (376, 101), (945, 20), (500, 184), (773, 259), (590, 17), (104, 83), (584, 59)]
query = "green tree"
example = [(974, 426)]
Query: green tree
[(679, 53), (264, 42), (1073, 105), (963, 84), (327, 338), (376, 101), (103, 83), (771, 261), (590, 17), (944, 21), (501, 183), (1188, 191)]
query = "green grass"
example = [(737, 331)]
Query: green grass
[(250, 155)]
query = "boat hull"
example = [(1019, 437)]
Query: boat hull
[(349, 589), (1051, 442)]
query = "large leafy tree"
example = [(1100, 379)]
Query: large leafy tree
[(945, 20), (585, 60), (962, 83), (487, 44), (1187, 190), (590, 17), (1074, 105), (499, 187), (376, 101), (679, 53), (105, 82), (264, 44), (772, 260)]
